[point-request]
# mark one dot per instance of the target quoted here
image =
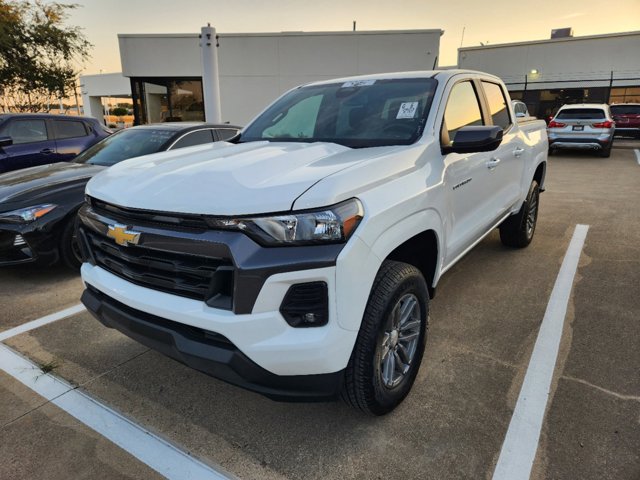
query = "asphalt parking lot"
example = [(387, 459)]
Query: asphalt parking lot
[(484, 324)]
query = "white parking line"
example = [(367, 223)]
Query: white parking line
[(67, 312), (521, 442), (637, 155), (160, 455)]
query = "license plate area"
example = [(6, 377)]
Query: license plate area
[(578, 128)]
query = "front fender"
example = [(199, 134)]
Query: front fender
[(359, 262)]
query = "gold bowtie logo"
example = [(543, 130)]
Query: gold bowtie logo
[(122, 236)]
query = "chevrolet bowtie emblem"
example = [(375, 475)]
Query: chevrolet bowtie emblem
[(122, 236)]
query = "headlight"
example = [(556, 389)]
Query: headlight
[(26, 215), (333, 224)]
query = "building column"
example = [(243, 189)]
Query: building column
[(210, 74)]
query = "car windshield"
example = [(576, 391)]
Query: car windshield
[(581, 114), (125, 144), (359, 113), (625, 109)]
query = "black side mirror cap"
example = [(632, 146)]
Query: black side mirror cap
[(475, 139), (5, 141)]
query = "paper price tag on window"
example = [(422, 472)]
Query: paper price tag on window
[(358, 83), (407, 110)]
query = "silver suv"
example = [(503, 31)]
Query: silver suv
[(583, 126)]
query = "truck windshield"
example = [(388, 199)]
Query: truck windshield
[(360, 113)]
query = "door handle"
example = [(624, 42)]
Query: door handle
[(518, 151), (46, 151), (493, 163)]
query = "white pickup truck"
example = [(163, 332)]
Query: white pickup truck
[(299, 259)]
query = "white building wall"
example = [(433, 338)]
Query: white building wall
[(94, 87), (576, 58), (257, 68)]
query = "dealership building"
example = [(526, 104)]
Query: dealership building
[(163, 72), (547, 74)]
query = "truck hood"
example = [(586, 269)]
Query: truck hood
[(225, 179), (33, 184)]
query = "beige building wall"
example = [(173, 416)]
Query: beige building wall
[(256, 68)]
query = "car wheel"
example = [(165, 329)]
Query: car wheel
[(390, 344), (69, 246), (517, 230), (606, 152), (552, 151)]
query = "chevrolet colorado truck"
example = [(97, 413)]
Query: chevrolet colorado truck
[(298, 260)]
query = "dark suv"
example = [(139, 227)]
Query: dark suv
[(627, 118), (28, 140)]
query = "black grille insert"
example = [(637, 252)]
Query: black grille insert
[(192, 276)]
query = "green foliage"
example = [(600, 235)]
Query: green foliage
[(119, 111), (39, 54)]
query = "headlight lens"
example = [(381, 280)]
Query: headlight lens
[(333, 224), (26, 215)]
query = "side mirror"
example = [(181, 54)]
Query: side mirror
[(5, 141), (475, 139)]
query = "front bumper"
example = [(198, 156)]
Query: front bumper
[(208, 352), (27, 243)]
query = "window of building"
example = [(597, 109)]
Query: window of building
[(198, 137), (497, 105), (162, 99), (69, 129), (625, 95), (463, 109), (27, 131)]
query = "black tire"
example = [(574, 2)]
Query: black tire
[(605, 152), (69, 248), (365, 387), (552, 151), (517, 230)]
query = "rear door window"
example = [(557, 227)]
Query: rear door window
[(69, 129), (226, 133), (497, 105), (26, 131), (198, 137), (581, 114)]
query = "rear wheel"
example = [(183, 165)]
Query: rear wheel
[(517, 230), (69, 246), (606, 151), (387, 354)]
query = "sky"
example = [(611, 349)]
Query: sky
[(492, 22)]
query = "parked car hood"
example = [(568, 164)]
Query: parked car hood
[(32, 184), (225, 179)]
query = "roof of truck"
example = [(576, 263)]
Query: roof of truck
[(440, 74)]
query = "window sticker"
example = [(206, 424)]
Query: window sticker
[(407, 110), (358, 83)]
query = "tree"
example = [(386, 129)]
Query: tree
[(39, 54), (119, 111)]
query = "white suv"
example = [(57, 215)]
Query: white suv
[(585, 126)]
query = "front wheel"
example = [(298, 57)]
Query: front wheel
[(389, 348), (517, 230), (69, 247)]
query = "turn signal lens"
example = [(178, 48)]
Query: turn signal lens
[(554, 124), (606, 124)]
